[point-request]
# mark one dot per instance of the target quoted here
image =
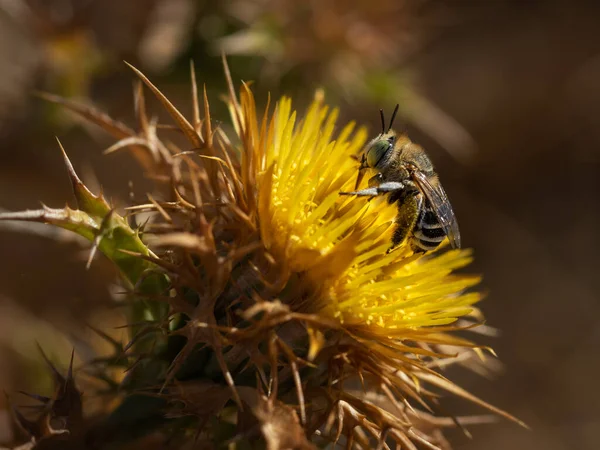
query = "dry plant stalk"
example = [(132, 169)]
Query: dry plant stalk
[(263, 303)]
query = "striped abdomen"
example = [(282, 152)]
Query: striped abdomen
[(428, 233)]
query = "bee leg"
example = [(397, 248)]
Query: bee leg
[(374, 182), (374, 191), (369, 192), (406, 220), (390, 186)]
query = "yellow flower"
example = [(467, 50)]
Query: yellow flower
[(339, 243)]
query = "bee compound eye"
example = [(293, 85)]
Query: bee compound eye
[(377, 151)]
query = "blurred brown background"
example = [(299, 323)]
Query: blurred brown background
[(503, 94)]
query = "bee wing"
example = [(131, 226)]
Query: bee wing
[(441, 207)]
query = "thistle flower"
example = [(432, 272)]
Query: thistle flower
[(268, 300)]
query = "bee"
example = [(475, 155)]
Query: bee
[(406, 175)]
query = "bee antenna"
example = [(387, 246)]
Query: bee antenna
[(382, 121), (393, 117)]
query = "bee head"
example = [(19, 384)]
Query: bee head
[(380, 147)]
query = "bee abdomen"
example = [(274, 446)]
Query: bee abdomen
[(429, 220), (428, 232)]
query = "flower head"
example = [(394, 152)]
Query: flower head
[(338, 243)]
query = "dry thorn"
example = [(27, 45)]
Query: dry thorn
[(185, 126)]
